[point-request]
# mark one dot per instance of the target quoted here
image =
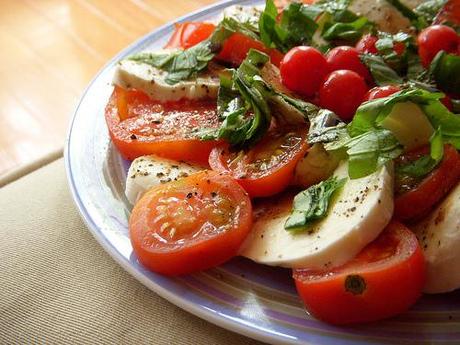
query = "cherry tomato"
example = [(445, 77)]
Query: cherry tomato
[(268, 167), (189, 34), (383, 280), (343, 92), (450, 13), (140, 126), (381, 92), (366, 45), (191, 224), (237, 46), (435, 38), (303, 69), (414, 197), (345, 57)]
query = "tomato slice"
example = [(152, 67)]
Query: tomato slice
[(237, 46), (383, 280), (234, 50), (189, 34), (268, 167), (140, 126), (418, 198), (191, 224)]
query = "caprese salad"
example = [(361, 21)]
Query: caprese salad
[(318, 136)]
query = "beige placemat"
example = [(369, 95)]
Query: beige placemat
[(57, 285)]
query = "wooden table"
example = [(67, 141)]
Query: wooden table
[(50, 50)]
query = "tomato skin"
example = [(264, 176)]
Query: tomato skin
[(199, 246), (435, 38), (267, 183), (366, 45), (381, 92), (393, 271), (303, 69), (237, 46), (450, 13), (416, 203), (343, 92), (189, 34), (127, 123), (345, 57)]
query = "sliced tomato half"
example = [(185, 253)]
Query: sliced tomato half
[(190, 225), (140, 126), (268, 167), (383, 280), (415, 198), (188, 34)]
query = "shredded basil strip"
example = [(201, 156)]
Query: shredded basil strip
[(297, 26), (312, 204), (445, 71), (427, 163), (370, 115), (186, 64), (380, 71)]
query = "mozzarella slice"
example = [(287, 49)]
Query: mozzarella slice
[(383, 14), (134, 75), (358, 214), (439, 237), (148, 171)]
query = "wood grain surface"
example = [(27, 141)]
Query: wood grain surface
[(50, 50)]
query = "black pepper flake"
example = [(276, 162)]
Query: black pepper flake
[(133, 136), (213, 194), (160, 174), (189, 195)]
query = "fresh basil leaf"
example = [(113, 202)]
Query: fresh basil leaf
[(230, 24), (351, 31), (296, 27), (445, 69), (312, 204), (380, 71), (427, 11), (368, 151), (427, 163), (242, 103), (370, 114)]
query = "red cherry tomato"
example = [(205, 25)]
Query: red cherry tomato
[(381, 92), (345, 57), (189, 34), (415, 198), (266, 168), (366, 45), (191, 224), (343, 92), (434, 39), (303, 69), (383, 280)]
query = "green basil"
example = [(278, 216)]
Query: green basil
[(380, 71), (445, 70), (312, 204), (425, 164)]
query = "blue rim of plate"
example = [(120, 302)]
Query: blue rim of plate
[(253, 300)]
